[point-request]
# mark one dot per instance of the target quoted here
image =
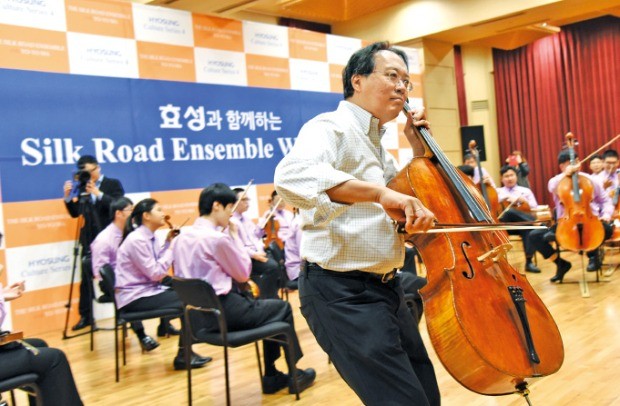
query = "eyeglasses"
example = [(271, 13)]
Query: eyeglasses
[(393, 77), (92, 170)]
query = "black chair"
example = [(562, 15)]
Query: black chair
[(278, 255), (25, 381), (199, 296), (122, 318)]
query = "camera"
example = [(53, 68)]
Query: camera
[(80, 179)]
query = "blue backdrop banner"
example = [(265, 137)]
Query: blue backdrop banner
[(153, 135)]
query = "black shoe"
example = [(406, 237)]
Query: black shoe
[(275, 383), (530, 267), (549, 236), (305, 378), (563, 267), (148, 343), (83, 323), (104, 299), (196, 361), (163, 330), (593, 264)]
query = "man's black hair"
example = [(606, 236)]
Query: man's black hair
[(86, 159), (362, 62), (507, 168), (119, 204), (217, 192), (467, 170), (610, 153), (564, 156)]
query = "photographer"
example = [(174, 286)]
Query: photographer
[(90, 194)]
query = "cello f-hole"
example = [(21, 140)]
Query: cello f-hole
[(470, 274)]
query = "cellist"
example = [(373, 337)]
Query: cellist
[(601, 206), (337, 174), (470, 160), (513, 195)]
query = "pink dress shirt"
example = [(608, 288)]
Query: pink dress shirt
[(516, 191), (141, 263), (600, 205), (204, 252), (292, 249), (2, 308), (249, 233), (103, 249), (603, 175), (476, 178)]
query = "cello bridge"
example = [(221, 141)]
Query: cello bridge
[(496, 253)]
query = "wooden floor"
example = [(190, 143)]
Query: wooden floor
[(590, 329)]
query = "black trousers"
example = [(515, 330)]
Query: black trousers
[(267, 277), (168, 299), (371, 337), (514, 216), (243, 313), (86, 286), (55, 377)]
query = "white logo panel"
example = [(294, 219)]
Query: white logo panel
[(340, 49), (42, 266), (102, 56), (265, 39), (309, 75), (43, 14), (163, 25), (220, 67)]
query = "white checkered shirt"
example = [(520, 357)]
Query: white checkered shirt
[(333, 148)]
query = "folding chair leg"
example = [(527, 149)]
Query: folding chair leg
[(260, 365), (226, 372), (124, 344), (116, 348)]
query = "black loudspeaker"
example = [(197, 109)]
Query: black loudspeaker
[(476, 133)]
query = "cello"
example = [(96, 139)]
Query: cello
[(579, 229), (488, 326), (488, 193)]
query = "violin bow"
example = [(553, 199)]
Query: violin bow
[(245, 192), (507, 208), (273, 210), (601, 148)]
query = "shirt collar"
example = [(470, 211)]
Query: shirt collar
[(202, 222), (146, 231), (364, 118)]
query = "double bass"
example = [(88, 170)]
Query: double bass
[(489, 328), (579, 229)]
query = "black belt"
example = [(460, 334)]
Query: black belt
[(366, 276)]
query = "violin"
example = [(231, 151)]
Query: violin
[(579, 229), (488, 193), (271, 227), (472, 289), (249, 287), (516, 204)]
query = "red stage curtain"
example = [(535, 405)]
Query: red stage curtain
[(566, 82)]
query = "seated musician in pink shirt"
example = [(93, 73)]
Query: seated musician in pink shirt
[(142, 264), (514, 198), (204, 252), (265, 269)]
